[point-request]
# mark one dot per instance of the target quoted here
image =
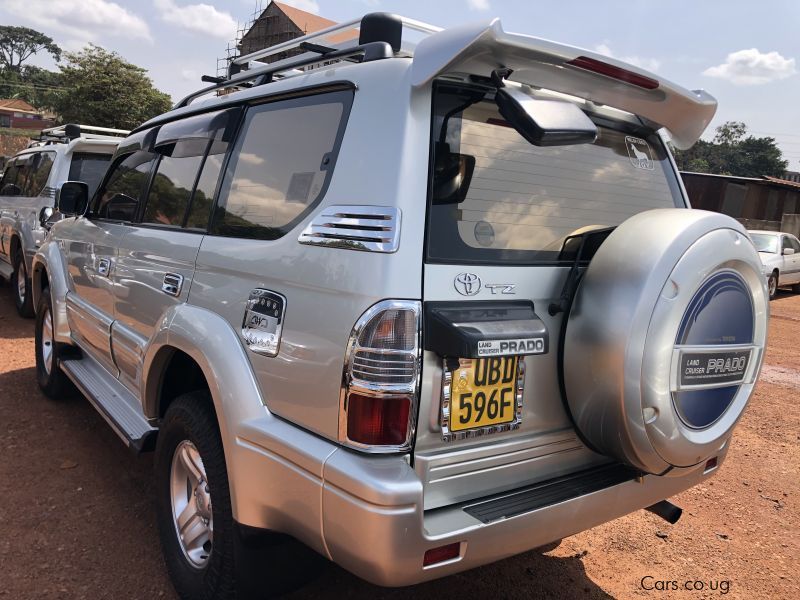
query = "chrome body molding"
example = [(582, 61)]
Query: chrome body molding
[(368, 228)]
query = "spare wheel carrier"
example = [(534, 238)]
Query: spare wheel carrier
[(669, 291)]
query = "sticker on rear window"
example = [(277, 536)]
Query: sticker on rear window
[(639, 152)]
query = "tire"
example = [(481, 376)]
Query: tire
[(772, 285), (21, 287), (796, 288), (51, 379), (240, 562)]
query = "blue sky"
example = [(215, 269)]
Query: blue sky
[(744, 53)]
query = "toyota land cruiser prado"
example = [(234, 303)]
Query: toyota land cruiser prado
[(418, 306)]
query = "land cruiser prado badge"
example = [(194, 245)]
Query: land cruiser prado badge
[(263, 321)]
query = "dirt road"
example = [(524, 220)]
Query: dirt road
[(77, 517)]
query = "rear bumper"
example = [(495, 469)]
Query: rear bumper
[(366, 513)]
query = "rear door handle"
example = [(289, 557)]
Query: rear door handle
[(104, 267), (173, 282)]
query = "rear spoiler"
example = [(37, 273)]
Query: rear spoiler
[(480, 48)]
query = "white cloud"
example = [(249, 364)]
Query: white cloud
[(198, 18), (82, 21), (479, 4), (648, 64), (307, 5), (751, 67)]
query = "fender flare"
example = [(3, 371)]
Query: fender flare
[(50, 260)]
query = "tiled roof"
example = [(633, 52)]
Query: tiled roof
[(308, 22), (16, 104), (786, 182)]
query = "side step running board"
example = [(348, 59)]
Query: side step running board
[(546, 493), (113, 401)]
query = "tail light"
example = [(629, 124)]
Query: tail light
[(618, 73), (381, 378)]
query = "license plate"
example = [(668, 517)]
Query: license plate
[(483, 393)]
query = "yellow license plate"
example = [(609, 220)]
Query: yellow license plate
[(483, 392)]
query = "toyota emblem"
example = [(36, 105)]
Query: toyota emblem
[(467, 284)]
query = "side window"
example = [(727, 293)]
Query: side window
[(183, 147), (41, 165), (88, 167), (786, 243), (795, 244), (8, 185), (119, 198), (281, 165)]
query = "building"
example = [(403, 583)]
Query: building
[(756, 202), (792, 176), (279, 23), (18, 114)]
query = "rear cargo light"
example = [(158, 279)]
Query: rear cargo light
[(441, 554), (381, 378), (618, 73)]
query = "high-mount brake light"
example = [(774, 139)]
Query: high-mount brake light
[(381, 377), (618, 73)]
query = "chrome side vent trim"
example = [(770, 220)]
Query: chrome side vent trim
[(367, 228)]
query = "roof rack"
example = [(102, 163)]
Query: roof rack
[(380, 35), (72, 131)]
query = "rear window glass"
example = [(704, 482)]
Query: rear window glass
[(497, 198), (88, 167)]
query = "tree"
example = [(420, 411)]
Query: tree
[(102, 88), (32, 84), (733, 152), (18, 44)]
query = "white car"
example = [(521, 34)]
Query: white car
[(780, 254)]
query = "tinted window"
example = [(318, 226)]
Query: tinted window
[(9, 181), (182, 147), (787, 242), (497, 198), (89, 168), (41, 165), (795, 244), (119, 199), (281, 164)]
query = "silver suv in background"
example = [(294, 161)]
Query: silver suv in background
[(420, 307), (28, 193)]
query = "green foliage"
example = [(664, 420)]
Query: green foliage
[(32, 84), (733, 152), (18, 44), (103, 89)]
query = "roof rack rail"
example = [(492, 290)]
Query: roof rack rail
[(380, 36), (72, 131)]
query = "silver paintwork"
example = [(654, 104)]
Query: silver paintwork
[(279, 416), (620, 341), (370, 228), (484, 46), (19, 216), (190, 496)]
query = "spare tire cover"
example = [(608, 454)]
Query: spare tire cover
[(665, 338)]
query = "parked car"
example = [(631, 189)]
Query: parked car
[(780, 255), (27, 194), (390, 307)]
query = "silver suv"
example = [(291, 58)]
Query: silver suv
[(418, 306), (27, 192)]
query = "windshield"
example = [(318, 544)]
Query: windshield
[(765, 242), (498, 199), (89, 168)]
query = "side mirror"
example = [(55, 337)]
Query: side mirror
[(44, 216), (72, 198), (545, 121), (788, 251), (10, 189)]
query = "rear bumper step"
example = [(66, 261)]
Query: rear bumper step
[(546, 493)]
